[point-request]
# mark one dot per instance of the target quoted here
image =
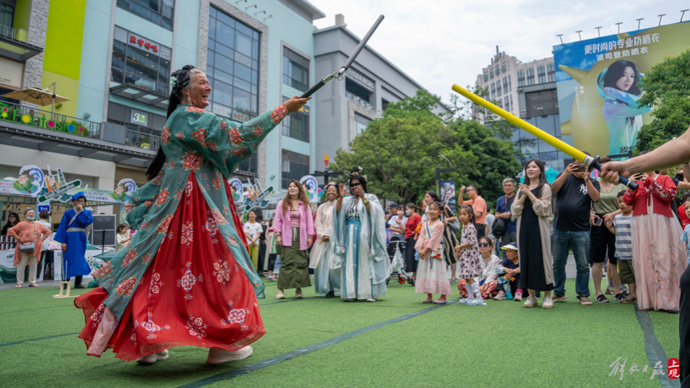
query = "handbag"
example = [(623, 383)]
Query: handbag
[(29, 247), (454, 225), (499, 227)]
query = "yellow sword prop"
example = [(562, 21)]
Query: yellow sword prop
[(587, 160)]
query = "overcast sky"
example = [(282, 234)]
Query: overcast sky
[(442, 42)]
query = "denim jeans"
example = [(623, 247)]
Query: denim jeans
[(561, 240)]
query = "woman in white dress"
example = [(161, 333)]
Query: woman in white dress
[(322, 258)]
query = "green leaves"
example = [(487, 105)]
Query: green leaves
[(400, 151), (667, 87)]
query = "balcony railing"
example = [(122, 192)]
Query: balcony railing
[(49, 120), (359, 100), (142, 138), (123, 77), (18, 34)]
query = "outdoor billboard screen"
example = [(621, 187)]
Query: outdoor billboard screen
[(598, 85)]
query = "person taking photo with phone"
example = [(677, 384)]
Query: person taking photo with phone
[(602, 245), (575, 194)]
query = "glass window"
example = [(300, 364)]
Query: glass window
[(233, 60), (530, 76), (140, 61), (361, 123), (295, 70), (551, 72), (521, 77), (541, 73), (158, 12), (296, 125), (294, 166), (359, 93)]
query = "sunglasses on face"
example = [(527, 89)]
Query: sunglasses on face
[(484, 244), (355, 184)]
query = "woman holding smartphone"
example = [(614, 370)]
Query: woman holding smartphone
[(602, 241), (658, 257)]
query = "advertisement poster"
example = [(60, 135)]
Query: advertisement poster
[(237, 190), (448, 193), (598, 83), (311, 186)]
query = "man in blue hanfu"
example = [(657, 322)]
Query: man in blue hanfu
[(72, 234)]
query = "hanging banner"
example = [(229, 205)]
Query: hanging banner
[(599, 82), (311, 186), (237, 190), (124, 189), (448, 193)]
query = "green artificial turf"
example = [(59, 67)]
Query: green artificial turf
[(454, 345)]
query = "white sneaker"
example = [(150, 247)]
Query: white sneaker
[(476, 302), (219, 356), (153, 358), (464, 301), (531, 301), (548, 303)]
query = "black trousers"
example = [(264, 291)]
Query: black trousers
[(77, 280), (410, 262)]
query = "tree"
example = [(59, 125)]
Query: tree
[(400, 151), (667, 86), (496, 157)]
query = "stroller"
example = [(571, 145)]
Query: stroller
[(398, 265)]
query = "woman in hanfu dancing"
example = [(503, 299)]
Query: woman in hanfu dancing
[(360, 242), (186, 277)]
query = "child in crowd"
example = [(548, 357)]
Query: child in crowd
[(432, 277), (686, 230), (469, 259), (509, 269), (253, 230), (488, 282), (489, 279), (621, 227)]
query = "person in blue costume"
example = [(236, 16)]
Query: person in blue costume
[(360, 242), (72, 234)]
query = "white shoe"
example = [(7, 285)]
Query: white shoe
[(531, 301), (219, 356), (476, 302), (280, 295), (371, 300), (464, 301), (153, 358), (547, 303)]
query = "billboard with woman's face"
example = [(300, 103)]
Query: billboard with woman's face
[(598, 82)]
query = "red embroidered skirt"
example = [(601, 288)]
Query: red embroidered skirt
[(192, 294)]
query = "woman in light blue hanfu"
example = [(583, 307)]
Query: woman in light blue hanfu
[(360, 242)]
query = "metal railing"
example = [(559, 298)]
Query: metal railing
[(49, 120), (123, 77), (142, 139), (7, 243), (18, 34), (360, 101)]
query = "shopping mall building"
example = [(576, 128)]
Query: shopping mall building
[(113, 59)]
